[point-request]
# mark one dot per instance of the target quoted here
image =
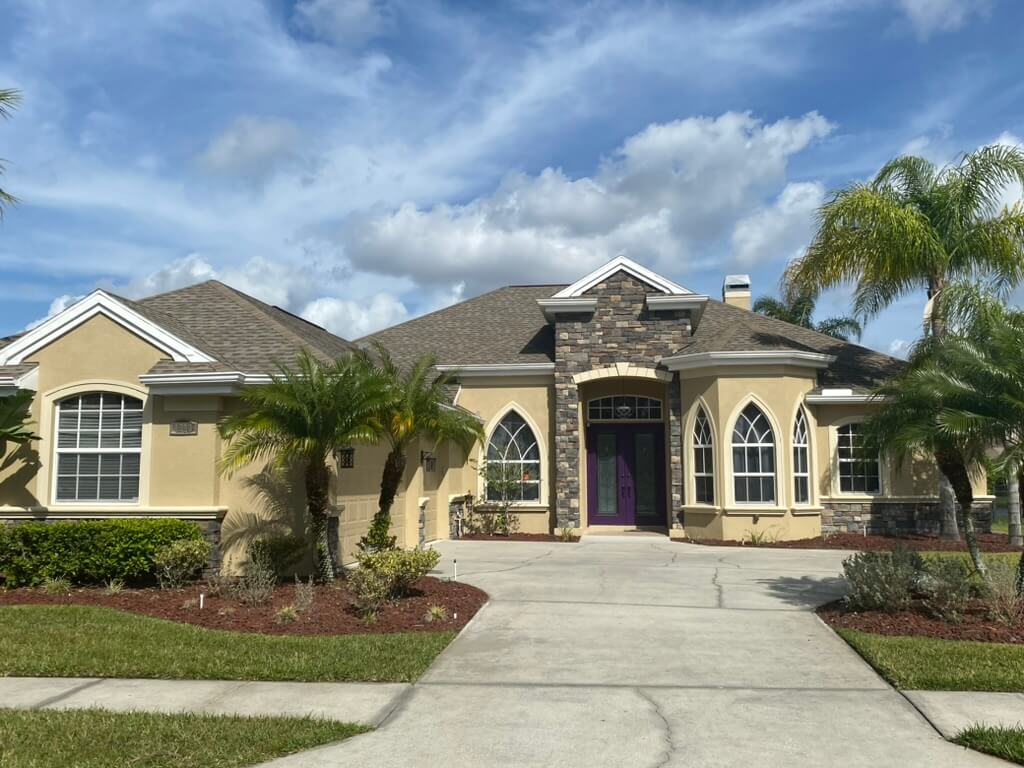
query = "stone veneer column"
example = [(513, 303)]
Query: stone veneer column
[(620, 330)]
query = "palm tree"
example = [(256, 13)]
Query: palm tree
[(14, 419), (299, 419), (9, 101), (416, 408), (800, 311), (915, 227)]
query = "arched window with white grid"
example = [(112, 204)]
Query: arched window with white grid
[(801, 460), (703, 460), (753, 458), (513, 460)]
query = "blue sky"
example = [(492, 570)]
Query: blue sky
[(362, 162)]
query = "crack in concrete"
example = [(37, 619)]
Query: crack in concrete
[(719, 589), (513, 568), (670, 745)]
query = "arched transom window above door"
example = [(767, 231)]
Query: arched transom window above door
[(624, 408)]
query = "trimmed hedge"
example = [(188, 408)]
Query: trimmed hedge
[(88, 552)]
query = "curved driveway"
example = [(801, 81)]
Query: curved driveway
[(636, 651)]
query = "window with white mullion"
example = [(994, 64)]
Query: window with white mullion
[(801, 463), (753, 458), (703, 460), (859, 472), (99, 447), (513, 453)]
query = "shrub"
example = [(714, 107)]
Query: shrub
[(947, 587), (882, 581), (436, 613), (382, 576), (114, 587), (305, 591), (286, 615), (256, 585), (281, 552), (180, 561), (89, 552), (567, 534), (56, 586), (1002, 601)]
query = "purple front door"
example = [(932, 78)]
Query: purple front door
[(625, 474)]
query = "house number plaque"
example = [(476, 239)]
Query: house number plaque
[(184, 428)]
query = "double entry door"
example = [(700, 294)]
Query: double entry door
[(626, 474)]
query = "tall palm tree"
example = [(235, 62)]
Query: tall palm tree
[(916, 227), (415, 408), (800, 311), (9, 101), (14, 419), (300, 418)]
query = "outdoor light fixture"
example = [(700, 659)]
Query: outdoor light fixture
[(428, 460), (345, 457)]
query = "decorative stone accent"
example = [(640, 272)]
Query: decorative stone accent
[(621, 329), (894, 517), (458, 510)]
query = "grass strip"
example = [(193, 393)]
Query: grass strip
[(1007, 743)]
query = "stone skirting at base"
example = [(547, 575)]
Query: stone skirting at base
[(894, 517)]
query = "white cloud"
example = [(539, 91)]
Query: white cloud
[(178, 274), (780, 231), (251, 146), (931, 16), (344, 22), (900, 348), (57, 306), (667, 188), (354, 319)]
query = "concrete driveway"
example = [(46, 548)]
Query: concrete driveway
[(636, 651)]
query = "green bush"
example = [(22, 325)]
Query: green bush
[(281, 553), (1002, 600), (948, 588), (88, 552), (180, 561), (382, 576), (882, 581)]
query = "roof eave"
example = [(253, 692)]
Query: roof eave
[(684, 362)]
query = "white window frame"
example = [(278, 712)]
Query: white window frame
[(838, 463), (648, 401), (805, 446), (709, 448), (528, 424), (97, 451), (774, 474)]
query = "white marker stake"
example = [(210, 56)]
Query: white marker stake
[(202, 599), (455, 570)]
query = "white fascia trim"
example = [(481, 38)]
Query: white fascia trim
[(512, 369), (201, 383), (812, 399), (625, 264), (11, 384), (660, 303), (566, 306), (710, 359), (100, 303)]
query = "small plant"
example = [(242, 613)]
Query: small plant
[(256, 585), (436, 613), (227, 610), (178, 563), (305, 591), (286, 615), (566, 534), (370, 618), (192, 602), (370, 588), (113, 587), (1002, 600), (218, 584), (761, 538), (503, 484), (56, 586), (882, 581), (946, 583)]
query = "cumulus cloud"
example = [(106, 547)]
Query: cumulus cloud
[(178, 274), (781, 230), (57, 306), (669, 187), (353, 319), (900, 348), (931, 16), (251, 146), (343, 22)]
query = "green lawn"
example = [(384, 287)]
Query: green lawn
[(81, 641), (96, 738), (1011, 557), (923, 663), (1007, 743)]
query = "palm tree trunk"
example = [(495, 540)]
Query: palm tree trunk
[(947, 498), (317, 489), (378, 537), (1014, 485), (953, 467)]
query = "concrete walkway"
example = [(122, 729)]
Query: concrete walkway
[(642, 652), (367, 703), (954, 711)]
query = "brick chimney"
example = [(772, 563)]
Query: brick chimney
[(736, 291)]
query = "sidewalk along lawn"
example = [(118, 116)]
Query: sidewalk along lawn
[(96, 738), (92, 641)]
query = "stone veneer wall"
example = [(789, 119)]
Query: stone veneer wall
[(621, 330), (894, 517)]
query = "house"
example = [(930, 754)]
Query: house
[(623, 400)]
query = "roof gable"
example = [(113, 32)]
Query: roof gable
[(102, 303), (622, 264)]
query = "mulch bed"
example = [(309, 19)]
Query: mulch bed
[(988, 542), (333, 612), (974, 626), (515, 537)]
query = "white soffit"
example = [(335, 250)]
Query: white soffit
[(100, 303), (621, 263), (11, 384), (510, 369), (773, 357)]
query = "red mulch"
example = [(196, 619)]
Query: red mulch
[(515, 537), (332, 613), (988, 542), (974, 626)]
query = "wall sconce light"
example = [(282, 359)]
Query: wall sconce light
[(428, 460), (345, 457)]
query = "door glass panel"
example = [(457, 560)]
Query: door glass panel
[(645, 476), (607, 475)]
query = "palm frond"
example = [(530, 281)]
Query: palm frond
[(843, 328)]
